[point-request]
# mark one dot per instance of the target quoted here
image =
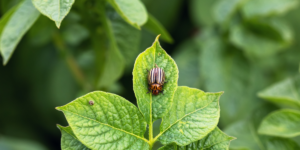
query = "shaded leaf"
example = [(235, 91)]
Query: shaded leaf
[(284, 93), (265, 8), (245, 130), (215, 140), (111, 123), (114, 60), (69, 141), (193, 115), (224, 68), (154, 107), (201, 12), (224, 9), (132, 11), (56, 10), (7, 143), (14, 25), (262, 43), (154, 26), (127, 38), (281, 144), (282, 123), (187, 60)]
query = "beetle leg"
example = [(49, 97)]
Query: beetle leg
[(162, 92), (149, 90), (147, 70)]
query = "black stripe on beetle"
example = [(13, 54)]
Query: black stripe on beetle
[(156, 80)]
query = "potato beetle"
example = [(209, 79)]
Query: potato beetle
[(156, 80)]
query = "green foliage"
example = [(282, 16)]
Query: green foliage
[(69, 141), (56, 10), (216, 139), (112, 122), (282, 123), (284, 93), (14, 25), (161, 104)]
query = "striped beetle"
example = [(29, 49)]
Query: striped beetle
[(156, 80)]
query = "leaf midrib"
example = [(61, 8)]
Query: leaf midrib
[(180, 120), (108, 126)]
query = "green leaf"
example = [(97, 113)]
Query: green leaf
[(245, 130), (201, 12), (127, 38), (111, 123), (186, 57), (69, 141), (274, 37), (8, 143), (281, 144), (14, 25), (215, 140), (265, 8), (56, 10), (284, 93), (154, 26), (225, 9), (224, 68), (282, 123), (132, 11), (154, 107), (193, 115), (114, 60)]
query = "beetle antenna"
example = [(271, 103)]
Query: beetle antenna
[(156, 65)]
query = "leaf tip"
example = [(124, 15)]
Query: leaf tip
[(157, 38), (57, 23)]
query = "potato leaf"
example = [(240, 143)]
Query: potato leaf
[(111, 122), (193, 115)]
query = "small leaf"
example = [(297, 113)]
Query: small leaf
[(282, 123), (111, 123), (14, 25), (154, 26), (215, 140), (69, 141), (132, 11), (224, 9), (56, 10), (284, 93), (193, 115), (154, 107), (265, 8), (281, 144)]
